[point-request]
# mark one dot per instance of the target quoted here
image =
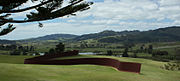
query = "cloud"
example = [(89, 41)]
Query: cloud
[(116, 11), (115, 15), (169, 2), (130, 9), (124, 9), (22, 15), (24, 31)]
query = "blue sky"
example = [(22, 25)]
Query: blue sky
[(117, 15)]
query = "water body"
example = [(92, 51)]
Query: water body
[(39, 53), (84, 53), (88, 53)]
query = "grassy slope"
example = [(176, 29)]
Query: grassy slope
[(12, 69)]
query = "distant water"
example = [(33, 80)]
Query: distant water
[(84, 53), (87, 53), (39, 53)]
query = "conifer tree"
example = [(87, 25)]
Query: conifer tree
[(60, 47), (45, 10)]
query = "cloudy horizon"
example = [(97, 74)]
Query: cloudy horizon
[(116, 15)]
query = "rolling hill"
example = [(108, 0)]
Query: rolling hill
[(168, 34), (59, 37), (102, 34), (7, 42)]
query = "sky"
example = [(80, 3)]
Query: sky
[(117, 15)]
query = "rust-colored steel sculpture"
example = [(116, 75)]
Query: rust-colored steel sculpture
[(121, 66)]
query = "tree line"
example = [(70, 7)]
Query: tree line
[(17, 49)]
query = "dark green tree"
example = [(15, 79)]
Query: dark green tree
[(150, 49), (21, 48), (142, 48), (15, 52), (134, 54), (177, 54), (13, 47), (24, 52), (52, 51), (82, 46), (60, 47), (125, 53), (109, 52), (45, 10), (31, 48)]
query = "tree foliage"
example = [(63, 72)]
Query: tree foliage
[(109, 52), (45, 10), (125, 53), (177, 55), (52, 51), (60, 48)]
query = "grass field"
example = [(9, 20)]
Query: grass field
[(13, 69)]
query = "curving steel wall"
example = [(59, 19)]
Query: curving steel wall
[(121, 66)]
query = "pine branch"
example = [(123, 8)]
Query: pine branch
[(7, 30), (25, 9), (53, 15), (52, 9)]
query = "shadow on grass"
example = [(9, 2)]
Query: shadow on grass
[(20, 59), (13, 59)]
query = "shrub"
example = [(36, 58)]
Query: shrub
[(177, 54), (51, 51), (25, 53), (109, 52), (125, 53), (60, 48), (160, 53), (171, 66), (15, 52)]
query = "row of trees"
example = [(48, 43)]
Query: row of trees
[(85, 44), (142, 49), (16, 47), (22, 50)]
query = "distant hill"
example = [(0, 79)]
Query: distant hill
[(50, 37), (7, 42), (168, 34), (105, 33)]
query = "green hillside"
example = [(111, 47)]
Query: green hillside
[(168, 34), (58, 37), (7, 42), (103, 34), (12, 69)]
